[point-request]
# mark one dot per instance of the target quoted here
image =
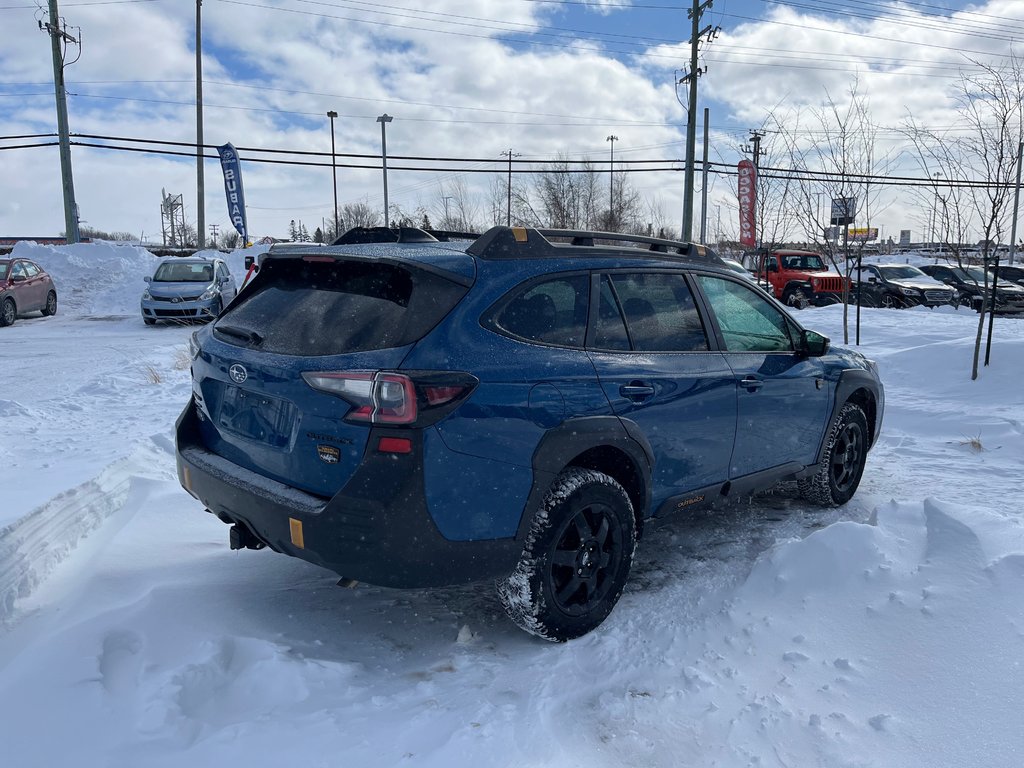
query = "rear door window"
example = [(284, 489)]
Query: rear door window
[(648, 312), (312, 308), (550, 312)]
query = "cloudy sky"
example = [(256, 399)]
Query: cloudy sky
[(465, 81)]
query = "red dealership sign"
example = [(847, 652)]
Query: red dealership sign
[(747, 196)]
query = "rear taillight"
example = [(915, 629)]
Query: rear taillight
[(416, 398)]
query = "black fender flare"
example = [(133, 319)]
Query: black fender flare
[(574, 438), (850, 381)]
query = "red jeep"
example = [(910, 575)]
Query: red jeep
[(797, 278)]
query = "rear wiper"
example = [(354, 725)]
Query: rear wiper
[(240, 333)]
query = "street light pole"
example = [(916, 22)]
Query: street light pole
[(611, 181), (334, 173), (200, 182), (384, 120)]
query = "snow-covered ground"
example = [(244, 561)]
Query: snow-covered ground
[(886, 633)]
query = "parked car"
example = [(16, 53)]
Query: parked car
[(1010, 272), (739, 269), (24, 287), (517, 408), (970, 283), (192, 288), (901, 285)]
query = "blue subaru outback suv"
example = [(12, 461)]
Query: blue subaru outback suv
[(422, 413)]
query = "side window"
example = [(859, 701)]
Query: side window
[(659, 311), (748, 322), (552, 312), (30, 269), (19, 269)]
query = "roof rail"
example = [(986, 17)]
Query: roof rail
[(361, 235), (527, 242)]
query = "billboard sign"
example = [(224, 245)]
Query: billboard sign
[(862, 234)]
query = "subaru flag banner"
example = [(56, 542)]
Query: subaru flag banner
[(746, 193), (233, 189)]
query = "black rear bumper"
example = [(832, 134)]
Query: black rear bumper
[(376, 529)]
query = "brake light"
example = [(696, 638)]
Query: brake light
[(416, 398)]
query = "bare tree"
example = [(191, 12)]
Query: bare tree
[(978, 168), (456, 208)]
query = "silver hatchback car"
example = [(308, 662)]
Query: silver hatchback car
[(187, 289)]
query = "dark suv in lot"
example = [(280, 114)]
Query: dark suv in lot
[(901, 285), (970, 282), (516, 408)]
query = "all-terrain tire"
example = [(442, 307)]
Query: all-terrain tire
[(50, 308), (8, 312), (843, 463), (576, 558), (796, 298)]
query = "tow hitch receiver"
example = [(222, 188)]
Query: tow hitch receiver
[(242, 538)]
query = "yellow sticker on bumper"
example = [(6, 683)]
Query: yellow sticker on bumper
[(295, 526)]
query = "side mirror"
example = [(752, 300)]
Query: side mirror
[(148, 278), (18, 278), (813, 344), (249, 261)]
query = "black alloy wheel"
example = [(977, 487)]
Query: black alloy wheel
[(576, 558), (890, 302), (842, 464)]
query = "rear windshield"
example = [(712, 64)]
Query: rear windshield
[(171, 272), (307, 308)]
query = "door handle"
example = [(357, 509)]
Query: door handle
[(751, 383), (636, 391)]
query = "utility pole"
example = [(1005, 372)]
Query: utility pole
[(59, 38), (384, 120), (508, 211), (214, 231), (200, 185), (611, 182), (696, 35)]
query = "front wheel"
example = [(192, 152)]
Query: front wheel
[(795, 298), (576, 559), (841, 468), (50, 309), (891, 302), (8, 312)]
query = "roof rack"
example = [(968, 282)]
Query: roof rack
[(527, 242), (361, 235)]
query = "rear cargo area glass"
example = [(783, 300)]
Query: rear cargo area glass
[(314, 308)]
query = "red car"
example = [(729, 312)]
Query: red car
[(24, 287)]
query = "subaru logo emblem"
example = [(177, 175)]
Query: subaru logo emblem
[(175, 299), (238, 373)]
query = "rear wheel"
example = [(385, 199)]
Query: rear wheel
[(8, 312), (837, 479), (576, 559), (50, 308)]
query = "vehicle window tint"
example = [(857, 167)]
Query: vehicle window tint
[(171, 272), (749, 323), (295, 307), (660, 313), (610, 331), (552, 312), (30, 269)]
